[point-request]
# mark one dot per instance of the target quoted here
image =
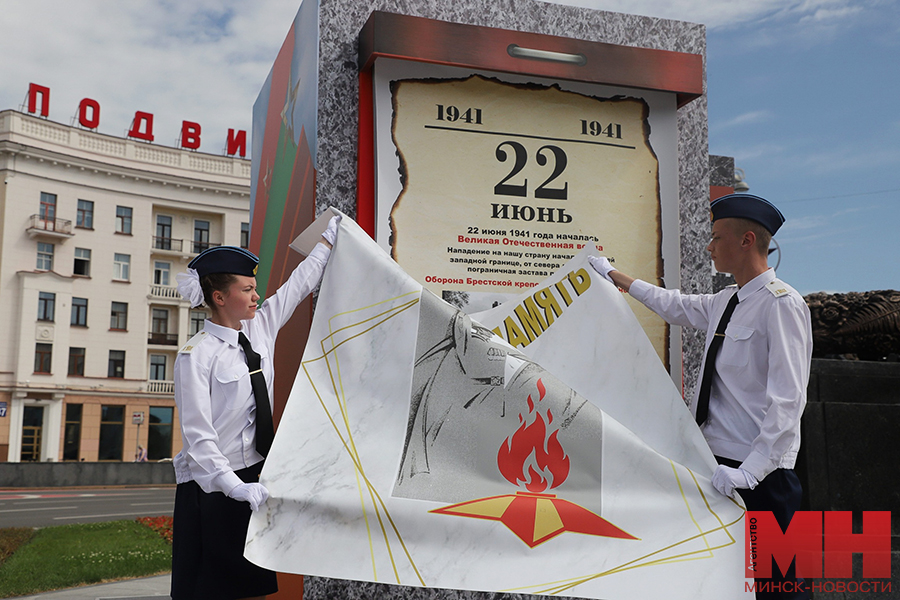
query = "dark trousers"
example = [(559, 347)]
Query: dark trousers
[(208, 546), (779, 492)]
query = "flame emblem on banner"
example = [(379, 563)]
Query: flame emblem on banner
[(533, 458)]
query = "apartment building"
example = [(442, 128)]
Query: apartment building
[(93, 230)]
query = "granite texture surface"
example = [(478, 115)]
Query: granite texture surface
[(340, 23), (721, 171), (317, 588)]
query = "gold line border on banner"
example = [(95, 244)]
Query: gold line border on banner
[(348, 443), (549, 588), (558, 587)]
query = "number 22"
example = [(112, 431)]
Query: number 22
[(521, 158)]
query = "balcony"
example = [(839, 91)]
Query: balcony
[(49, 228), (160, 387), (164, 292), (162, 339), (167, 243)]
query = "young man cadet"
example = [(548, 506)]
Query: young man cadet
[(752, 388)]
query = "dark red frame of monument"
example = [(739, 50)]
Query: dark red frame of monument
[(389, 35)]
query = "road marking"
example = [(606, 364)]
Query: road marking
[(34, 509), (128, 514), (40, 502)]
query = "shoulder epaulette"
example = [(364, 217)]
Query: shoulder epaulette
[(778, 288), (193, 342)]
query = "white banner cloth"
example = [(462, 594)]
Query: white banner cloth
[(419, 448)]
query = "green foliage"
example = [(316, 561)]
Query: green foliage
[(11, 538), (84, 554), (161, 525)]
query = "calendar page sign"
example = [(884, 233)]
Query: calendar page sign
[(497, 155), (504, 183)]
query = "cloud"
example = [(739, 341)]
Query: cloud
[(800, 224), (712, 13), (206, 60), (798, 230), (849, 157), (830, 14), (728, 14), (834, 235), (749, 118), (202, 61), (747, 153)]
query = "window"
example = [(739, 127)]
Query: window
[(45, 256), (46, 306), (161, 272), (123, 219), (157, 367), (48, 206), (245, 235), (197, 319), (159, 324), (122, 267), (118, 318), (79, 312), (43, 354), (116, 364), (72, 432), (112, 429), (82, 262), (163, 232), (160, 320), (159, 433), (84, 217), (201, 236), (76, 362)]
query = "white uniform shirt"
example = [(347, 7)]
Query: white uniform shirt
[(762, 369), (213, 394)]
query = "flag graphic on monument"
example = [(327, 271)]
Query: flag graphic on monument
[(420, 448)]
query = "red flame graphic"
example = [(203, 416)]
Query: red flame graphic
[(530, 457)]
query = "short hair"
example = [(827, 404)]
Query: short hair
[(763, 236), (215, 282)]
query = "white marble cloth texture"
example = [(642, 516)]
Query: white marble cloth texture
[(341, 504)]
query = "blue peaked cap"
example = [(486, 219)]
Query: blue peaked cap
[(225, 259), (747, 206)]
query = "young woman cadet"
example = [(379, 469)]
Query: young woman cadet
[(223, 387)]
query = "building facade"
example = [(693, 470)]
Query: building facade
[(93, 230)]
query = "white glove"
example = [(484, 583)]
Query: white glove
[(254, 493), (602, 265), (727, 480), (330, 233)]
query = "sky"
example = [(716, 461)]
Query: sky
[(803, 94)]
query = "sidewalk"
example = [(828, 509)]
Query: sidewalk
[(144, 588)]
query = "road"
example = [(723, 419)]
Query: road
[(49, 507)]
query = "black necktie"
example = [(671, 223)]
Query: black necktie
[(709, 365), (265, 428)]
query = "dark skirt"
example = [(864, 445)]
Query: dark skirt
[(781, 493), (208, 546)]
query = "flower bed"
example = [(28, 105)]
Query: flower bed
[(161, 525)]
